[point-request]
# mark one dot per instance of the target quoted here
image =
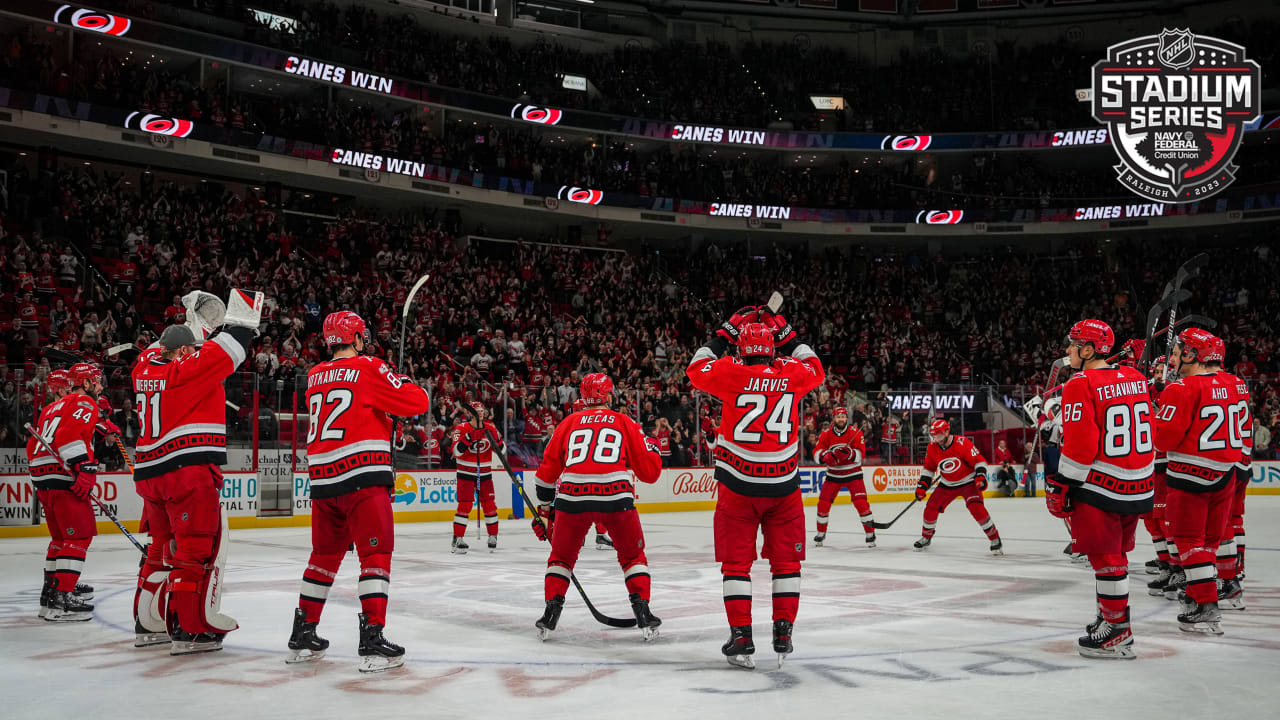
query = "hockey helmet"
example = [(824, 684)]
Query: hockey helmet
[(755, 339), (59, 380), (84, 373), (1094, 332), (596, 388), (939, 427), (1200, 346), (342, 328)]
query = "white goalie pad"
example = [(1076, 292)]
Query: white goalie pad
[(244, 308), (152, 600), (211, 605), (205, 313)]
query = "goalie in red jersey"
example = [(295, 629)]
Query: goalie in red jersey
[(841, 448), (757, 458), (584, 472), (350, 399)]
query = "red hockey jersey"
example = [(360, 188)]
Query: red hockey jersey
[(476, 460), (349, 404), (181, 404), (1199, 427), (758, 439), (955, 465), (588, 457), (67, 425), (1245, 417), (1108, 453), (850, 438)]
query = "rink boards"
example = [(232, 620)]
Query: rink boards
[(432, 495)]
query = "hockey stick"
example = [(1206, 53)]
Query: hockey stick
[(404, 316), (49, 449), (124, 454), (502, 457), (1188, 270), (886, 525)]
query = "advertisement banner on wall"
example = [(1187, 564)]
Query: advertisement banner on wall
[(418, 491), (114, 490)]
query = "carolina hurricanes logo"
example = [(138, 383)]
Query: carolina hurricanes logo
[(948, 466), (482, 446), (94, 21), (536, 114), (939, 217), (586, 196), (906, 143), (159, 124)]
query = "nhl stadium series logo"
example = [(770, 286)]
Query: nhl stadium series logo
[(1176, 105)]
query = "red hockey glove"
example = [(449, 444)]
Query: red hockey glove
[(982, 481), (728, 330), (106, 427), (651, 444), (783, 333), (473, 436), (86, 480), (844, 455), (922, 488), (543, 523), (1056, 498)]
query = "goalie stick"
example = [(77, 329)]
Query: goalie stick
[(105, 511), (502, 457)]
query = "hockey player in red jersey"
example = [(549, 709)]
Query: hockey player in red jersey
[(1104, 479), (602, 537), (1230, 562), (473, 451), (1167, 561), (961, 472), (66, 423), (350, 399), (1199, 427), (841, 448), (181, 410), (584, 472), (757, 458)]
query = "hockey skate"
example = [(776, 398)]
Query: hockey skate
[(997, 547), (304, 644), (871, 540), (603, 542), (1177, 581), (740, 647), (1153, 567), (65, 607), (1230, 595), (645, 620), (459, 546), (1107, 640), (143, 637), (922, 543), (46, 597), (550, 616), (1156, 586), (185, 643), (782, 639), (377, 654), (493, 543), (1202, 618), (817, 539), (83, 591)]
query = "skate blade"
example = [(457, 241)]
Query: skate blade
[(1153, 571), (997, 553), (920, 549), (1169, 595), (817, 543), (871, 544), (44, 612), (296, 657), (1236, 603), (782, 657), (745, 662), (379, 663), (458, 551), (544, 633), (87, 597), (151, 639), (183, 647), (1155, 592), (1121, 653), (1205, 628), (66, 617), (649, 633)]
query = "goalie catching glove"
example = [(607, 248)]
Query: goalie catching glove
[(205, 313)]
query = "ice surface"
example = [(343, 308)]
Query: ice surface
[(948, 633)]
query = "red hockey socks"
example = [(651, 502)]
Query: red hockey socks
[(736, 583), (1111, 572), (316, 581), (51, 563), (375, 582), (69, 562), (864, 511), (786, 590), (637, 579), (979, 512), (556, 581)]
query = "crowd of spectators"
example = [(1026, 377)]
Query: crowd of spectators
[(515, 325), (1002, 85), (995, 181)]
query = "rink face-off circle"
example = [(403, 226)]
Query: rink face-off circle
[(951, 631)]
